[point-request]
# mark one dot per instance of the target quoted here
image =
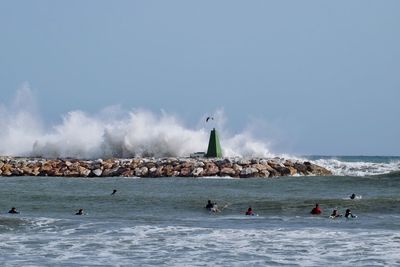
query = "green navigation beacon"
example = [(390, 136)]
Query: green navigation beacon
[(214, 147)]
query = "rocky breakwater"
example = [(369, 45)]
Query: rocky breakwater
[(162, 167)]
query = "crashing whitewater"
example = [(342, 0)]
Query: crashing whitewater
[(138, 133)]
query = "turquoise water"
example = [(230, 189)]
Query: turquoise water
[(162, 221)]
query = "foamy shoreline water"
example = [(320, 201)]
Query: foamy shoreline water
[(159, 167)]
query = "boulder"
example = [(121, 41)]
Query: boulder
[(244, 162), (159, 171), (211, 170), (97, 172), (197, 172), (283, 171), (185, 172), (116, 171), (293, 170), (320, 171), (227, 172), (127, 172), (248, 172), (169, 171), (199, 164), (259, 167), (152, 171), (263, 173), (301, 168), (83, 171), (237, 167), (144, 171)]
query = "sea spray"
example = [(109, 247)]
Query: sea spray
[(136, 133), (344, 166)]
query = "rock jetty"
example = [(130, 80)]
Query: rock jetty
[(159, 167)]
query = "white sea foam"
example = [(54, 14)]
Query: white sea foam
[(112, 133), (182, 246), (339, 167)]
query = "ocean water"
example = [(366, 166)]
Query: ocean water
[(163, 221)]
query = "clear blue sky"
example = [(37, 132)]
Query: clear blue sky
[(321, 77)]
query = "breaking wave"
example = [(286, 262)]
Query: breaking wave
[(367, 167), (115, 133), (112, 133)]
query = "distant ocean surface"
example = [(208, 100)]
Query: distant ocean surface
[(163, 221)]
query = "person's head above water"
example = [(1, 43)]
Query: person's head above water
[(353, 196), (13, 210)]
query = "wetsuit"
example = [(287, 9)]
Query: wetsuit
[(249, 212), (13, 212), (209, 206)]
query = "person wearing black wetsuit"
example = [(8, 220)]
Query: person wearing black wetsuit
[(335, 214), (13, 210), (80, 212), (348, 214), (209, 205)]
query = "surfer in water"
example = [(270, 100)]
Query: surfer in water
[(316, 210), (13, 210), (80, 212), (209, 205), (249, 212), (335, 214), (215, 208), (212, 206), (113, 192), (348, 214), (353, 196)]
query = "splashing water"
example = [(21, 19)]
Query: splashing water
[(114, 133), (139, 133), (358, 168)]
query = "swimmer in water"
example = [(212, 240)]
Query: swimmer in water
[(348, 214), (353, 196), (249, 212), (113, 192), (335, 214), (80, 212), (13, 210), (316, 210), (209, 205)]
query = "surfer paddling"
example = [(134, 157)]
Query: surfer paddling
[(80, 212), (335, 214)]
